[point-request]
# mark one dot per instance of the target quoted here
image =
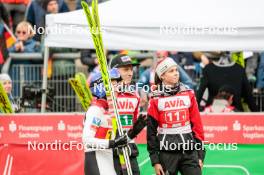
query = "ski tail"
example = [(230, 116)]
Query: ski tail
[(83, 80), (5, 105), (77, 87)]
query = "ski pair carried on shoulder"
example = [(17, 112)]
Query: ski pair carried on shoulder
[(94, 26)]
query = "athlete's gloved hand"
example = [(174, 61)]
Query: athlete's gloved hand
[(138, 126), (119, 142), (142, 118)]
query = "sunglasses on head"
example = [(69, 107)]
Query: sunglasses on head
[(21, 32)]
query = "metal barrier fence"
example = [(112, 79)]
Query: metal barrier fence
[(259, 99), (61, 97), (26, 71)]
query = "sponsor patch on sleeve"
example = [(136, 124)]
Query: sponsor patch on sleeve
[(96, 121)]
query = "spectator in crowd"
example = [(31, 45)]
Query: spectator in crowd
[(199, 56), (16, 10), (185, 60), (95, 68), (25, 42), (182, 58), (88, 57), (260, 72), (258, 92), (37, 10), (251, 60), (221, 72), (7, 84), (223, 101), (203, 61)]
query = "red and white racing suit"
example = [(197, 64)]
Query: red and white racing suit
[(98, 130), (96, 134), (174, 127), (128, 108)]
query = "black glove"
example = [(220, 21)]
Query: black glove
[(131, 148), (138, 126), (118, 142)]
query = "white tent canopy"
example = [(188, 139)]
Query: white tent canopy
[(186, 25)]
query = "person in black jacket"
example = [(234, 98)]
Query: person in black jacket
[(4, 14), (229, 73), (89, 58), (36, 12)]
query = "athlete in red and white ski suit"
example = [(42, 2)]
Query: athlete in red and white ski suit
[(132, 123), (97, 139), (128, 106), (174, 129)]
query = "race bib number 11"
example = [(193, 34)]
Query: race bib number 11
[(175, 116), (126, 120)]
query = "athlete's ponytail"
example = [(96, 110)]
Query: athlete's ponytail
[(157, 80)]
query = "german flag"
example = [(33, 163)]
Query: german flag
[(9, 37)]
